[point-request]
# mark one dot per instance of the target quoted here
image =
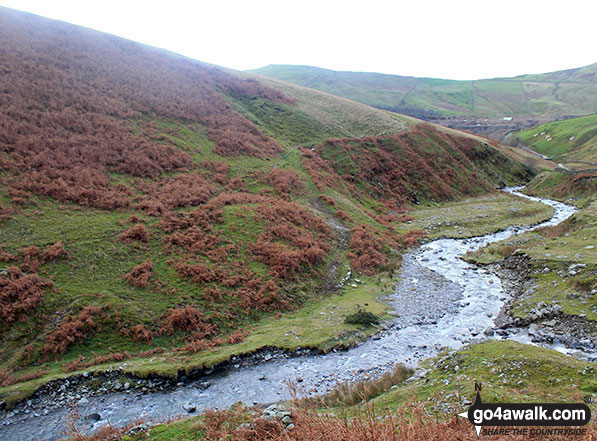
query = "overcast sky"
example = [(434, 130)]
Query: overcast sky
[(458, 39)]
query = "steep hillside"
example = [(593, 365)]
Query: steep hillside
[(478, 106), (151, 204), (572, 141)]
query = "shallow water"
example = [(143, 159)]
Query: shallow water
[(439, 300)]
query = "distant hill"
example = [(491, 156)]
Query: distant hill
[(155, 207), (461, 104), (569, 141)]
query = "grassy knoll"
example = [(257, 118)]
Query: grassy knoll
[(342, 116), (509, 371)]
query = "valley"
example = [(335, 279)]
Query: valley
[(177, 237)]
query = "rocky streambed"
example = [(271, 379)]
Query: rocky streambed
[(439, 301)]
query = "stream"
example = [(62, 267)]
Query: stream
[(439, 301)]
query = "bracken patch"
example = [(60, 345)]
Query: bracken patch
[(136, 233), (20, 293), (140, 275), (72, 330), (189, 320)]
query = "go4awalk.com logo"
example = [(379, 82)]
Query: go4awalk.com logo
[(527, 418)]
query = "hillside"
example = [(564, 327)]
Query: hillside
[(155, 208), (572, 141), (478, 106)]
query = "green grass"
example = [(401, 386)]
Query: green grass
[(567, 140), (178, 430), (552, 288), (346, 118), (195, 428), (91, 274), (193, 139), (508, 371), (287, 124)]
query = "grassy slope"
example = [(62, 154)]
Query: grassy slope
[(347, 118), (570, 92), (534, 161), (565, 141), (436, 168), (341, 117)]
